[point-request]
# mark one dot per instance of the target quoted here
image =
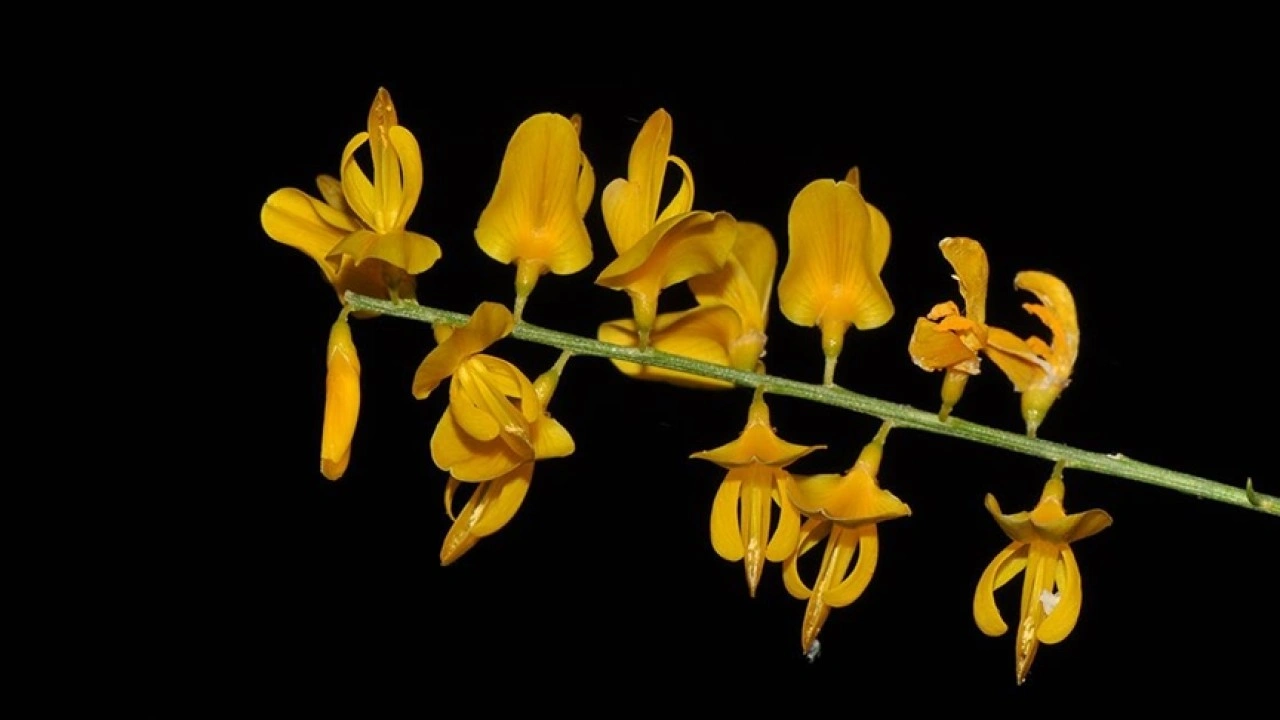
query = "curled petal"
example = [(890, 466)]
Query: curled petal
[(851, 588), (787, 537), (1023, 367), (406, 250), (814, 531), (631, 205), (1061, 307), (850, 500), (504, 498), (535, 212), (293, 218), (470, 460), (933, 348), (489, 323), (1062, 619), (1016, 525), (726, 536), (1003, 568), (745, 283), (969, 261)]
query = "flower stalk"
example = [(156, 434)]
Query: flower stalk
[(902, 416)]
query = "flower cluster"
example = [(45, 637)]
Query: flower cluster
[(497, 425)]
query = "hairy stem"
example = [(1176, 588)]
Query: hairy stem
[(902, 416)]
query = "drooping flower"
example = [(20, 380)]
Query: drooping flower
[(728, 325), (845, 510), (839, 243), (741, 514), (658, 248), (948, 340), (341, 401), (534, 218), (494, 429), (357, 232), (1039, 370), (1051, 587)]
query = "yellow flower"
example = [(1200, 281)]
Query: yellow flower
[(845, 510), (757, 478), (495, 427), (1042, 547), (356, 234), (839, 243), (946, 339), (728, 326), (534, 218), (631, 204), (341, 401), (657, 249), (1039, 370)]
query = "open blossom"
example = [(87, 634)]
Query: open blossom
[(355, 232), (757, 479), (494, 429), (1039, 370), (846, 511), (728, 325), (658, 248), (1040, 548), (947, 339), (535, 217), (839, 243)]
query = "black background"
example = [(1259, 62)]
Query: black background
[(1136, 182)]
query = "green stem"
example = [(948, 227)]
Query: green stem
[(902, 416)]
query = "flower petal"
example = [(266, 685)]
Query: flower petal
[(489, 323), (535, 213), (832, 274), (674, 251), (551, 439), (406, 250), (852, 587), (293, 218), (726, 534), (1057, 299), (682, 201), (850, 500), (355, 184), (756, 517), (746, 280), (1003, 568), (484, 412), (631, 206), (1019, 363), (341, 403), (503, 499), (814, 531), (787, 536), (409, 183), (1077, 526), (1017, 525), (933, 348), (969, 261), (468, 459), (1062, 620), (703, 333)]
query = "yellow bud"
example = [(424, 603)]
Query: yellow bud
[(341, 402)]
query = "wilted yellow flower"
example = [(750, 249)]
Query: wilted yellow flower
[(657, 249), (742, 511), (341, 401), (1051, 592), (357, 233), (495, 427), (1039, 370), (839, 243), (534, 218), (948, 340), (728, 326), (844, 509)]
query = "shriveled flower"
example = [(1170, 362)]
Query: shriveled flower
[(1051, 587), (494, 429), (741, 514), (839, 243), (948, 340), (534, 218), (1039, 370), (341, 401), (658, 248), (728, 325), (357, 233), (845, 510)]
